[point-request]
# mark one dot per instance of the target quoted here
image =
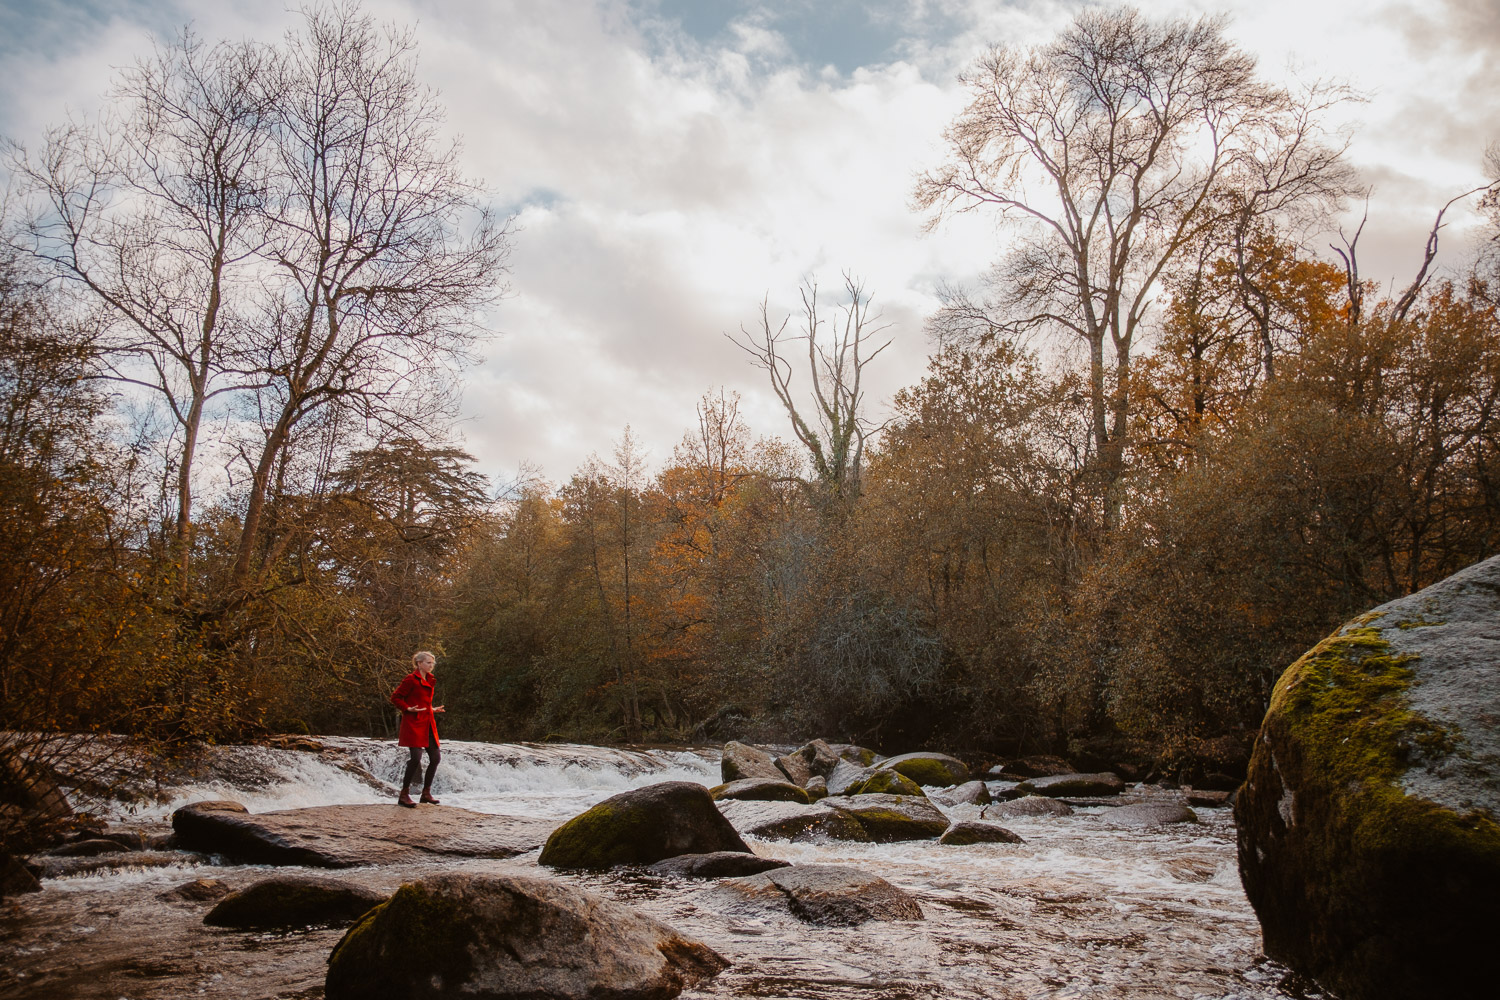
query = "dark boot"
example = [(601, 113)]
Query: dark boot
[(427, 796), (405, 800)]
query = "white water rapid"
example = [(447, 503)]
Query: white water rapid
[(1082, 909)]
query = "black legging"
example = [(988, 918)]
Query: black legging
[(414, 764)]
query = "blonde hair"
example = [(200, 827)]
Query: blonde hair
[(421, 655)]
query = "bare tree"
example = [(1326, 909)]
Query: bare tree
[(155, 211), (1121, 145), (835, 432), (380, 250)]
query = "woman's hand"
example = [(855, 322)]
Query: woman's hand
[(437, 709)]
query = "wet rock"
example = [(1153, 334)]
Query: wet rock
[(87, 848), (856, 755), (792, 821), (817, 787), (720, 864), (344, 836), (1061, 786), (16, 878), (883, 781), (973, 793), (55, 867), (499, 936), (814, 759), (741, 760), (293, 901), (846, 776), (199, 890), (131, 840), (934, 769), (1205, 797), (1036, 766), (1149, 814), (889, 818), (830, 895), (641, 826), (1368, 837), (760, 790), (1030, 805), (970, 832)]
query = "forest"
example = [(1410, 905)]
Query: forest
[(1168, 444)]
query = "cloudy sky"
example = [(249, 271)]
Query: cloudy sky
[(672, 162)]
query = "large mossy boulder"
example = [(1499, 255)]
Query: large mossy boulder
[(642, 826), (889, 818), (760, 790), (510, 937), (741, 760), (1368, 836), (935, 769), (294, 901), (884, 781)]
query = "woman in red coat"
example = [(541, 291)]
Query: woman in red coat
[(413, 697)]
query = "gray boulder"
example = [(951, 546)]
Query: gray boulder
[(1150, 814), (792, 821), (815, 759), (856, 755), (199, 890), (294, 901), (512, 937), (970, 832), (1369, 822), (741, 760), (829, 895), (760, 790), (846, 776), (884, 781), (1030, 805), (1072, 786), (720, 864), (931, 769), (642, 826), (817, 787), (972, 793), (889, 818)]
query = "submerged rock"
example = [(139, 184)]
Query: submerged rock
[(293, 901), (1368, 836), (720, 864), (933, 769), (1069, 786), (760, 790), (792, 821), (643, 825), (199, 890), (828, 894), (345, 836), (970, 832), (889, 818), (741, 760), (507, 937), (1030, 805)]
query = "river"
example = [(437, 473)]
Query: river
[(1083, 908)]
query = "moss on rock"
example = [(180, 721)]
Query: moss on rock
[(642, 826), (932, 769), (887, 782), (359, 965)]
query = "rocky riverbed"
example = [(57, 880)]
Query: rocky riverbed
[(1084, 906)]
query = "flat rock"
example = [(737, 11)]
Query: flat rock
[(719, 864), (1030, 805), (792, 821), (971, 832), (1060, 786), (87, 848), (741, 760), (294, 901), (345, 836), (1207, 797), (1149, 814), (760, 790), (511, 937), (889, 818), (642, 826), (830, 895)]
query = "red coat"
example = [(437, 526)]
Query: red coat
[(415, 691)]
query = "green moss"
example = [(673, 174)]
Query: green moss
[(372, 957), (601, 837), (884, 782), (926, 771), (886, 825)]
